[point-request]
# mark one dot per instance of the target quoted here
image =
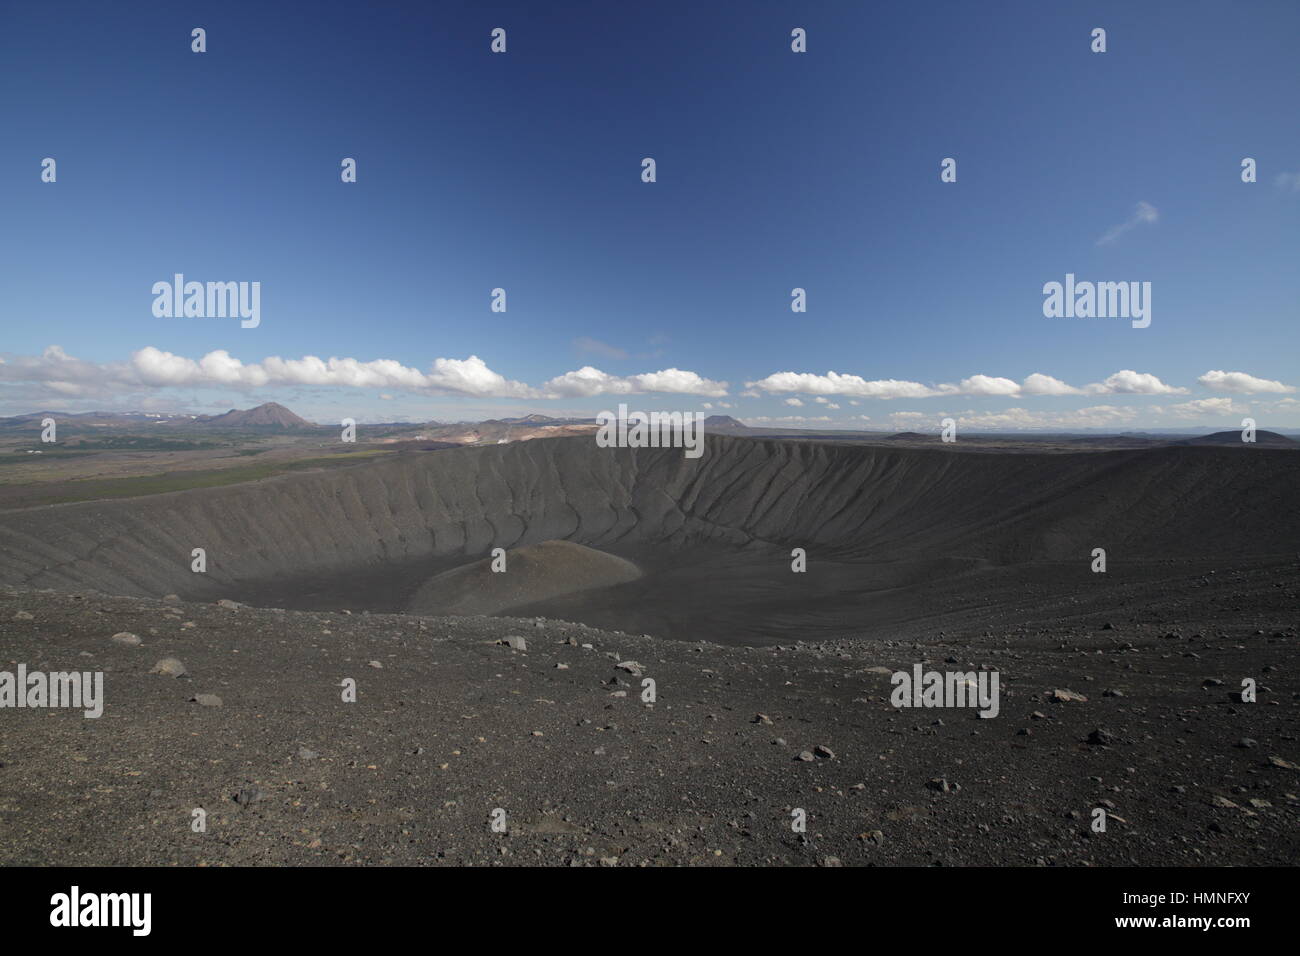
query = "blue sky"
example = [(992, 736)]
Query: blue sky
[(775, 170)]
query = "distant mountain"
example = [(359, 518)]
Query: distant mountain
[(538, 420), (95, 419), (271, 414), (908, 436), (719, 423), (1269, 439), (533, 419)]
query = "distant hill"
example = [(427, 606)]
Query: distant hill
[(271, 414), (908, 436), (94, 419), (719, 423), (534, 419), (1269, 439)]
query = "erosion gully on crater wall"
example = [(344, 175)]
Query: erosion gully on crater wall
[(894, 535)]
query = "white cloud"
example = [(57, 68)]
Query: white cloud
[(1289, 182), (151, 367), (1040, 384), (588, 381), (788, 419), (1144, 214), (1202, 407), (986, 385), (470, 376), (795, 402), (1022, 419), (597, 347), (833, 383), (1241, 383), (1128, 382)]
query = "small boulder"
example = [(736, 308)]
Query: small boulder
[(170, 667), (1062, 696)]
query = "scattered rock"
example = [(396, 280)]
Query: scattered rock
[(170, 667), (127, 638), (250, 795), (206, 700), (516, 642), (1062, 696)]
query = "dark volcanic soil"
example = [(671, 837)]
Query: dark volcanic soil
[(453, 724), (959, 562), (892, 535)]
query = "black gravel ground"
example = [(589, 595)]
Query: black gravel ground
[(451, 724)]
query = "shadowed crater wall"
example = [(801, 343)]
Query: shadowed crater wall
[(712, 535)]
